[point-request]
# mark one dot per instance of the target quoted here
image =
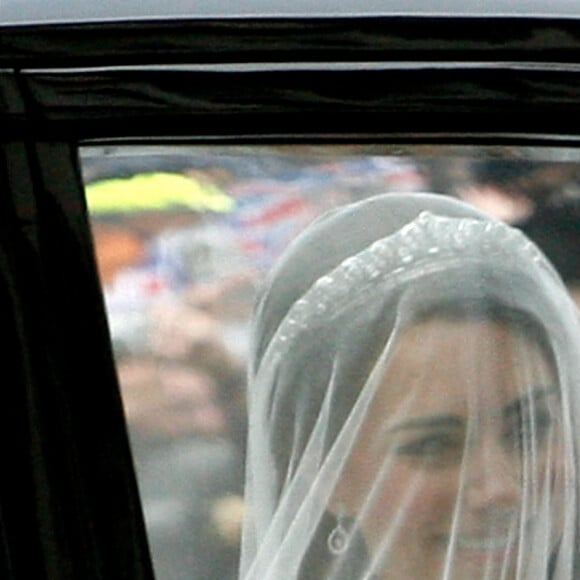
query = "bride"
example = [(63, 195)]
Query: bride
[(413, 402)]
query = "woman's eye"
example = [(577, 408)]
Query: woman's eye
[(433, 447)]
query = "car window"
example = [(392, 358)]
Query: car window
[(185, 236)]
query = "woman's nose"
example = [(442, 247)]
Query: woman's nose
[(493, 476)]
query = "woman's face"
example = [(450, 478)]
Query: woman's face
[(466, 412)]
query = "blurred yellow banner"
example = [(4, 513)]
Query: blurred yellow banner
[(155, 191)]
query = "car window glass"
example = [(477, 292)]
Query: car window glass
[(184, 237)]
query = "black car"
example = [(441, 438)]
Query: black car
[(293, 96)]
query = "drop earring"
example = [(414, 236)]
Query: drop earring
[(339, 538)]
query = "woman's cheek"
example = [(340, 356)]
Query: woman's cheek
[(550, 474), (559, 479), (425, 498)]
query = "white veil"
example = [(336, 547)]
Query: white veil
[(413, 402)]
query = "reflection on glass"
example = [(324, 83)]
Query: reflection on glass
[(184, 237)]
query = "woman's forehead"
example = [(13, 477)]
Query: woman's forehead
[(438, 334), (443, 363)]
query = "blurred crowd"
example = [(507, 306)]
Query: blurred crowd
[(180, 285)]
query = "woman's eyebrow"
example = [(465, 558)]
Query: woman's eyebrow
[(430, 422), (535, 395)]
